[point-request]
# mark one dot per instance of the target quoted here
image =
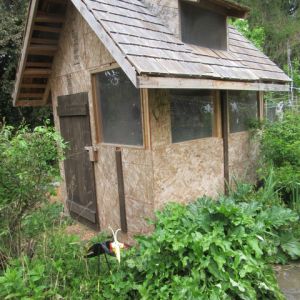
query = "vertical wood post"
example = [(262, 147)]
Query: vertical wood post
[(260, 104), (121, 190), (225, 135)]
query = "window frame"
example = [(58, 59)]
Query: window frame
[(204, 6), (259, 106), (216, 120), (144, 102)]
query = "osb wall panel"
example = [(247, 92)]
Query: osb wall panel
[(182, 171), (167, 11), (72, 74), (243, 156)]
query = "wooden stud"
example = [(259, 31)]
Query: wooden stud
[(42, 49), (31, 95), (146, 118), (97, 109), (39, 64), (37, 72), (46, 93), (41, 41), (31, 103), (225, 135), (261, 106), (46, 29), (33, 86), (121, 190), (42, 17), (217, 123)]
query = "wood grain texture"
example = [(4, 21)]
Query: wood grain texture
[(79, 171), (67, 77), (121, 190), (144, 38), (182, 171)]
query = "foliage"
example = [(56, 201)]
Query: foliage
[(213, 250), (256, 35), (206, 250), (280, 148), (58, 270), (27, 171), (11, 30), (280, 20)]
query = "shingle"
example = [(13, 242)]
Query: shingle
[(151, 48)]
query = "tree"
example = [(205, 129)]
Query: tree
[(12, 24), (281, 22)]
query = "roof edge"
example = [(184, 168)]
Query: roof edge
[(107, 40), (153, 82), (232, 8), (26, 41)]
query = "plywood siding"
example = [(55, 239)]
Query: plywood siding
[(182, 171), (243, 156), (80, 53)]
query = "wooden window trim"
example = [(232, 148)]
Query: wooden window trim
[(261, 106), (260, 111), (216, 121), (145, 117)]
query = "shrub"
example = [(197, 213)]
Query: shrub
[(280, 148), (206, 250), (211, 250), (29, 166)]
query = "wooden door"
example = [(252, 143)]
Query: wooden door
[(73, 112)]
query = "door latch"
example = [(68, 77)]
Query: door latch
[(93, 153)]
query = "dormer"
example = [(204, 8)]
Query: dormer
[(198, 22), (204, 23)]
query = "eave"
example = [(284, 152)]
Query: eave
[(44, 24)]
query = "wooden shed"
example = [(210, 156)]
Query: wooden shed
[(153, 96)]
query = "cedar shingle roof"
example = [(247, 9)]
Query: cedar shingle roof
[(152, 49), (148, 52)]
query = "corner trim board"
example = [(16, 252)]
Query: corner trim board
[(106, 39)]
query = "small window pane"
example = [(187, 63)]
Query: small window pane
[(242, 109), (120, 108), (191, 115)]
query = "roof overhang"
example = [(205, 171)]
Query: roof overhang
[(229, 8), (152, 82), (44, 24)]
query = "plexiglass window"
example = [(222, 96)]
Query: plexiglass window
[(243, 108), (191, 115), (120, 109)]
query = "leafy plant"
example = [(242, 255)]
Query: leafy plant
[(210, 250), (280, 148), (29, 166), (255, 35)]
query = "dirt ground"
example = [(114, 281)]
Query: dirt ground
[(82, 231), (289, 280)]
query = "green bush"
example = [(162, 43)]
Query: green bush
[(212, 250), (206, 250), (29, 166), (280, 148)]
